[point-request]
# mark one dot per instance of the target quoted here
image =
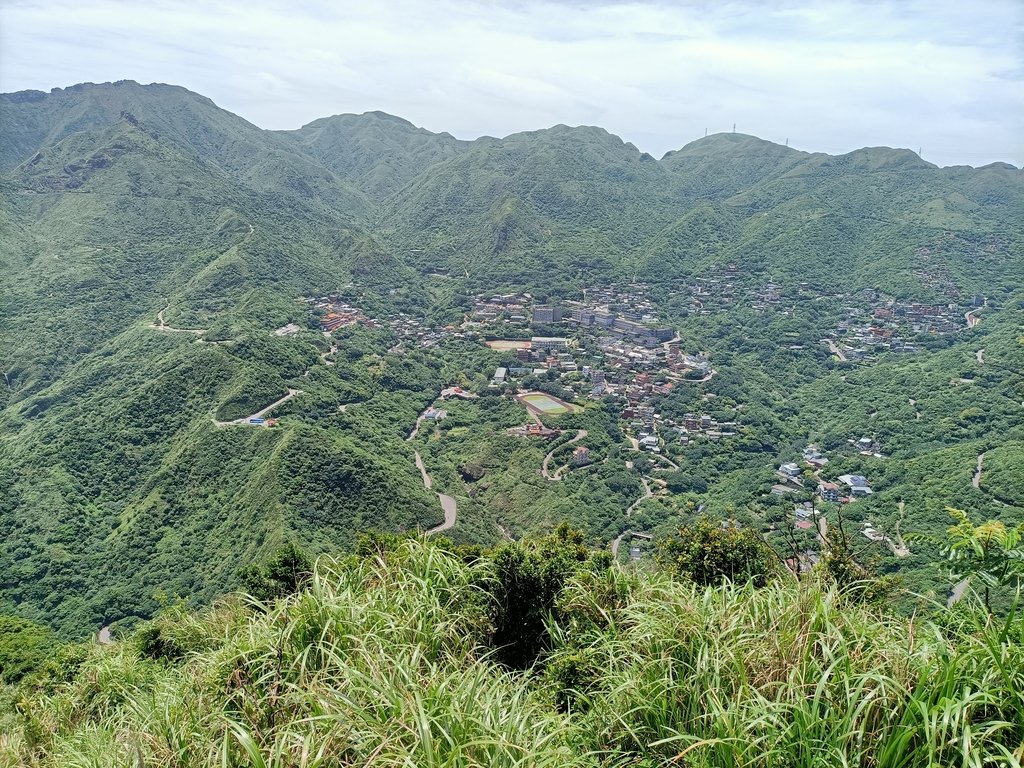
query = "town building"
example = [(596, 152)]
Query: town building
[(547, 314), (549, 342)]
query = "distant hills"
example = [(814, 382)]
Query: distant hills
[(120, 200)]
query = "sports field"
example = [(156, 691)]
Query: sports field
[(542, 403), (506, 345)]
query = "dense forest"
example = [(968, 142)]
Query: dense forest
[(153, 245)]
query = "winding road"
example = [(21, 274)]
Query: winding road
[(971, 318), (617, 541), (448, 504), (980, 356), (648, 493), (261, 413), (976, 480), (580, 434)]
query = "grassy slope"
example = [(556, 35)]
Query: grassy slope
[(382, 662)]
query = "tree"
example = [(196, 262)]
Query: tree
[(708, 553), (287, 571), (24, 646), (530, 576), (989, 553)]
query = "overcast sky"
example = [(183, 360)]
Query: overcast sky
[(945, 76)]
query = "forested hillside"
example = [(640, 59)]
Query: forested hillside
[(171, 271)]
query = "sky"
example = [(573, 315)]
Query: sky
[(945, 77)]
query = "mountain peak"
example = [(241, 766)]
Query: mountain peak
[(729, 143), (883, 158)]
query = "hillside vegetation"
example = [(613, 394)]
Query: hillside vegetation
[(152, 244), (535, 654)]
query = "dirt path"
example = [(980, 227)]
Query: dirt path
[(160, 325), (980, 356), (976, 480), (580, 434), (648, 493), (260, 413), (899, 546), (668, 461)]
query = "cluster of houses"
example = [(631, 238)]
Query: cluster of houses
[(848, 489), (618, 355), (889, 324), (511, 308), (410, 329), (337, 313)]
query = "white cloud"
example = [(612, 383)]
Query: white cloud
[(830, 76)]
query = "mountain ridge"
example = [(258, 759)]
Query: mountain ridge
[(168, 263), (30, 96)]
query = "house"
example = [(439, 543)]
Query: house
[(581, 456), (790, 469), (434, 414), (858, 485), (499, 377), (829, 492)]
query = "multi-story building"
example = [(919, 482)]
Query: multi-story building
[(547, 314)]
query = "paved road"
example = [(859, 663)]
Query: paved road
[(972, 319), (617, 541), (261, 413), (957, 592), (980, 356), (451, 513), (448, 504), (580, 434), (835, 350), (646, 495), (427, 482), (104, 638), (976, 480)]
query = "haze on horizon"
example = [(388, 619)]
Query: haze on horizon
[(946, 77)]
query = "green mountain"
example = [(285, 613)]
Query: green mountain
[(152, 243)]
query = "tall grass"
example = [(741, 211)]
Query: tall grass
[(383, 662), (789, 676), (375, 665)]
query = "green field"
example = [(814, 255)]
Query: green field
[(546, 403)]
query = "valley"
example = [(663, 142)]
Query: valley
[(217, 339)]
